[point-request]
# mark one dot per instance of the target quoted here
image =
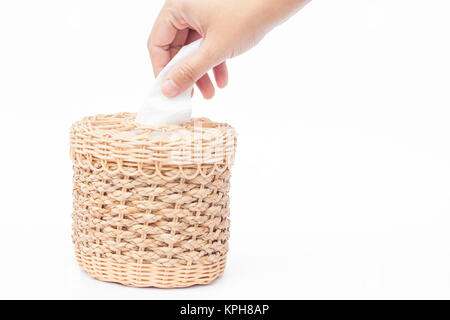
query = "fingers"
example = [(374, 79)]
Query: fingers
[(221, 75), (163, 34), (170, 32), (192, 36), (206, 87), (190, 70), (178, 42), (205, 84)]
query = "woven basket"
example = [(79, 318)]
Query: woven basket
[(150, 203)]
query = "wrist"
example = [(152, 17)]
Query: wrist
[(277, 11)]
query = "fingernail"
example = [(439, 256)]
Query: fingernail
[(170, 88)]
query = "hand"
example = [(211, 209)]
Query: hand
[(228, 27)]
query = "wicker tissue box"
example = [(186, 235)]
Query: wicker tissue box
[(150, 204)]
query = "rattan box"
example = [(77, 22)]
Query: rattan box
[(150, 204)]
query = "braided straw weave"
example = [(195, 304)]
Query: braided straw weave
[(150, 203)]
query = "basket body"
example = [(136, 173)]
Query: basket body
[(151, 205)]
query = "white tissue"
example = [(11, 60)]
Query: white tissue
[(160, 110)]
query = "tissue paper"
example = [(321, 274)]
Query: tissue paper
[(160, 110)]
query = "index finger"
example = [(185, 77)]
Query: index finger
[(163, 34)]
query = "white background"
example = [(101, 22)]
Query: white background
[(341, 187)]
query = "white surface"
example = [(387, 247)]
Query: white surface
[(160, 110), (347, 198)]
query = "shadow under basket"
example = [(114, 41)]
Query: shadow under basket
[(150, 204)]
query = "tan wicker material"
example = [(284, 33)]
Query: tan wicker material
[(151, 205)]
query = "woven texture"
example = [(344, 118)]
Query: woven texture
[(150, 204)]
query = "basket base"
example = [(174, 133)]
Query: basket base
[(149, 275)]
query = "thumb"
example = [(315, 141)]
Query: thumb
[(185, 73)]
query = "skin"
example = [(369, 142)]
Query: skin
[(228, 28)]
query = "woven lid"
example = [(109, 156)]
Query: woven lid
[(118, 138)]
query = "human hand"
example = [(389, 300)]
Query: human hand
[(228, 27)]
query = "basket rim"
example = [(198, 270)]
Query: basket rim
[(117, 137)]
